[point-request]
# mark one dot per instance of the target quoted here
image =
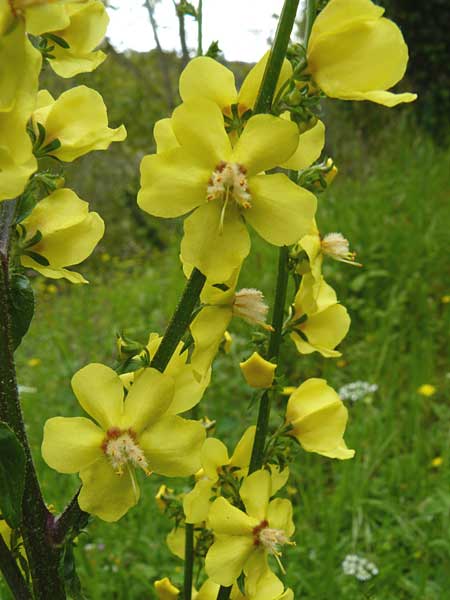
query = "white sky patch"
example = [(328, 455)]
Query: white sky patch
[(242, 27)]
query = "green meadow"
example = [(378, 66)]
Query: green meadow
[(391, 503)]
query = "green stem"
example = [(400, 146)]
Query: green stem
[(43, 558), (262, 424), (179, 321), (12, 574), (188, 560), (224, 593), (276, 57), (311, 10), (200, 28)]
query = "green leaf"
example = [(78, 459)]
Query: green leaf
[(58, 40), (12, 476), (41, 260), (22, 306), (25, 205), (69, 573), (213, 51)]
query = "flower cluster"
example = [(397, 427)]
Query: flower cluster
[(357, 390), (359, 567), (229, 168)]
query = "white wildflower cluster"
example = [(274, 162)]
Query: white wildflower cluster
[(356, 390), (359, 567)]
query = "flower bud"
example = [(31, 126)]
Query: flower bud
[(258, 372)]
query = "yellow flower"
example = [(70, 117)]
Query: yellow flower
[(226, 186), (135, 431), (242, 540), (206, 78), (258, 372), (318, 418), (69, 234), (82, 25), (445, 299), (165, 590), (215, 462), (34, 362), (356, 54), (189, 385), (426, 390), (78, 119), (437, 462), (210, 325), (19, 72), (310, 146), (322, 323)]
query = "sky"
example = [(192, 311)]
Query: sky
[(242, 27)]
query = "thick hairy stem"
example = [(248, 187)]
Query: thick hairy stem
[(42, 557), (276, 57), (12, 574), (71, 519), (180, 320), (272, 354), (188, 560)]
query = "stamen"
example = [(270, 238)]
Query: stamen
[(122, 450), (229, 179), (338, 247)]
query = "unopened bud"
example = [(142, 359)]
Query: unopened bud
[(258, 372)]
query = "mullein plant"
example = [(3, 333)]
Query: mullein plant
[(226, 160)]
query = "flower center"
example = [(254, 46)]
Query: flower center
[(249, 304), (336, 246), (228, 181), (270, 539), (121, 449)]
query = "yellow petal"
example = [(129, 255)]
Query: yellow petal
[(100, 393), (310, 146), (60, 210), (258, 372), (199, 127), (165, 590), (339, 14), (54, 273), (319, 419), (325, 330), (206, 78), (260, 582), (197, 502), (251, 84), (208, 329), (353, 57), (88, 23), (281, 211), (172, 446), (176, 541), (243, 451), (106, 494), (214, 455), (71, 444), (279, 515), (44, 18), (189, 389), (227, 556), (255, 492), (148, 399), (171, 185), (228, 520), (278, 477), (78, 118), (215, 251), (266, 142), (164, 136)]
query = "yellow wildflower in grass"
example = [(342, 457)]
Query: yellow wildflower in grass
[(258, 372), (132, 432), (19, 72), (356, 54), (69, 234), (227, 187), (209, 327), (189, 385), (318, 418), (426, 390), (243, 540), (34, 362), (437, 462), (322, 321), (82, 25), (78, 119), (216, 462)]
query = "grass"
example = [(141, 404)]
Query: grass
[(389, 504)]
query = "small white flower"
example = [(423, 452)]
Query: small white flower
[(357, 390), (359, 567)]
